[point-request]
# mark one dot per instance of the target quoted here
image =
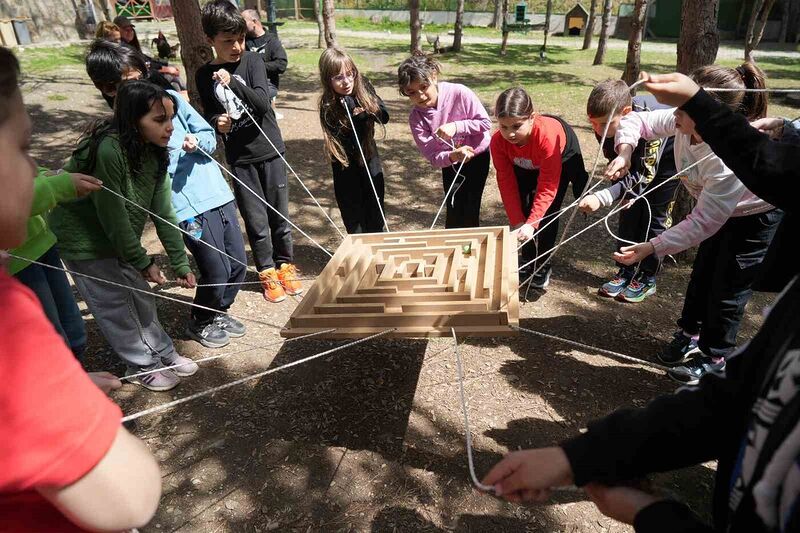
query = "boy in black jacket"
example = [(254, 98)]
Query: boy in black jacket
[(233, 87), (747, 420)]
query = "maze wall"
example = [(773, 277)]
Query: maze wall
[(420, 282)]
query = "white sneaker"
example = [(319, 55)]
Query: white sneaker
[(187, 366), (160, 381), (278, 116)]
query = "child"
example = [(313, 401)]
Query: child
[(732, 226), (101, 235), (652, 163), (343, 85), (108, 31), (449, 125), (237, 78), (63, 449), (199, 192), (536, 156)]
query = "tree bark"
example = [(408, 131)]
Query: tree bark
[(459, 26), (329, 22), (195, 50), (601, 43), (320, 24), (415, 26), (699, 40), (589, 32), (297, 14), (755, 27), (548, 13), (497, 18), (504, 44), (635, 42)]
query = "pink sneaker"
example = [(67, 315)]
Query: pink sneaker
[(160, 381)]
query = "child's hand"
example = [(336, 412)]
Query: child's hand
[(172, 71), (462, 153), (620, 503), (447, 131), (105, 381), (153, 274), (189, 143), (525, 232), (619, 166), (771, 126), (187, 281), (630, 255), (589, 204), (358, 110), (224, 123), (222, 76), (528, 475), (85, 184), (670, 89)]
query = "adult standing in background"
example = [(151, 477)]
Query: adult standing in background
[(269, 46)]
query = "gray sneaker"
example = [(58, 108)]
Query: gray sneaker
[(162, 380), (230, 325), (210, 335), (182, 366)]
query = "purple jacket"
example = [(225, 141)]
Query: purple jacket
[(458, 104)]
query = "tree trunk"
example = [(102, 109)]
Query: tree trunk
[(601, 43), (589, 31), (504, 44), (329, 22), (497, 18), (547, 14), (635, 42), (699, 40), (755, 27), (297, 14), (459, 26), (784, 22), (195, 50), (320, 24), (415, 26)]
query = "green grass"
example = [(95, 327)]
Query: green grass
[(39, 60), (57, 97)]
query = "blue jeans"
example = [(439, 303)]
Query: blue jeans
[(53, 290)]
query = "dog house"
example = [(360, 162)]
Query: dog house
[(575, 20)]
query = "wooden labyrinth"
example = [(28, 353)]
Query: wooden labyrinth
[(420, 282)]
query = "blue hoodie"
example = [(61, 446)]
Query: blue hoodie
[(197, 183)]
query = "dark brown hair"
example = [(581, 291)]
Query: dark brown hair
[(418, 67), (513, 103), (608, 95), (745, 76), (9, 81)]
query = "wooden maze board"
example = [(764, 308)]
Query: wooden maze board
[(420, 282)]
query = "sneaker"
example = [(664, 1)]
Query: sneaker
[(638, 289), (278, 116), (288, 276), (163, 380), (614, 288), (210, 335), (184, 367), (541, 279), (694, 370), (679, 349), (230, 325), (273, 290)]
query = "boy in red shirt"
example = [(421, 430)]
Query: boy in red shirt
[(66, 463), (535, 156)]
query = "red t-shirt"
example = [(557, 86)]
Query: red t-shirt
[(543, 152), (55, 424)]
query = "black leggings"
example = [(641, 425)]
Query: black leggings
[(464, 202)]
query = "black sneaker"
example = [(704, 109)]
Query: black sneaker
[(209, 335), (680, 348), (230, 325), (541, 279), (691, 372)]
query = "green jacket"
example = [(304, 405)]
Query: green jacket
[(103, 225), (48, 191)]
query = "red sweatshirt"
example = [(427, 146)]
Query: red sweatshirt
[(543, 153)]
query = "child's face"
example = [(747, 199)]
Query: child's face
[(156, 126), (599, 125), (422, 93), (344, 81), (685, 124), (228, 46), (516, 130), (127, 74), (16, 174), (127, 33)]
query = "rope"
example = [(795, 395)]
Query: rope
[(148, 292), (449, 190), (243, 184), (765, 90), (220, 356), (366, 165), (246, 110), (209, 392)]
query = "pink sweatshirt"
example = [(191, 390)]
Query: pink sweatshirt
[(719, 193), (458, 104)]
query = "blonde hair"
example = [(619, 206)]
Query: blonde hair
[(105, 29), (332, 114)]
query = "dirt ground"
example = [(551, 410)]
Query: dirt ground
[(372, 438)]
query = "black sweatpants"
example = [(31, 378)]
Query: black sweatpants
[(221, 230), (355, 197), (572, 170), (724, 269), (634, 220), (464, 203), (269, 234)]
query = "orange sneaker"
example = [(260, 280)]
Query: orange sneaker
[(273, 291), (288, 276)]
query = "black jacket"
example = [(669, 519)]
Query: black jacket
[(269, 47)]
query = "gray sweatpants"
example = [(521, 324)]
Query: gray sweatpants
[(127, 319)]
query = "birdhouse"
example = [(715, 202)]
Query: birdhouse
[(576, 20)]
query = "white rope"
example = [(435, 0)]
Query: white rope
[(246, 110), (731, 90), (221, 356), (148, 292), (449, 190), (243, 184), (366, 165), (245, 379)]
